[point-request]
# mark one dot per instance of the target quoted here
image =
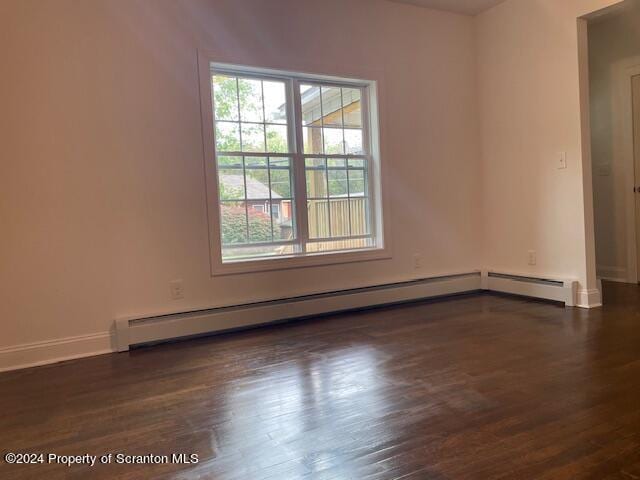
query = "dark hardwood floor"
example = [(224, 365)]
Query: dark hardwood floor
[(474, 387)]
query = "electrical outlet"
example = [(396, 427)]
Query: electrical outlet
[(562, 160), (532, 257), (417, 261), (177, 289)]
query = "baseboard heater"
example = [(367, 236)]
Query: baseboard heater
[(136, 331), (560, 290)]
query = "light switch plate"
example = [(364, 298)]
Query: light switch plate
[(562, 160), (177, 289)]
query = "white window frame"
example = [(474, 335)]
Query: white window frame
[(381, 249)]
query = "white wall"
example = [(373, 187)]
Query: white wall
[(612, 42), (102, 197), (530, 110)]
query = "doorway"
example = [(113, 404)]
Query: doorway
[(614, 91)]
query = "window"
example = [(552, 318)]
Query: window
[(275, 211), (294, 166)]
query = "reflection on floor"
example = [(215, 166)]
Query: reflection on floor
[(479, 386)]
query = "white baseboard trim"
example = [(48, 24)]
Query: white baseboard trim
[(590, 298), (53, 351)]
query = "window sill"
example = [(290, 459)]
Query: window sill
[(309, 260)]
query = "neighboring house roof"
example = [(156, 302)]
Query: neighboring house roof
[(255, 188)]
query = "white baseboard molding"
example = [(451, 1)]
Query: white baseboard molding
[(53, 351), (133, 331), (590, 298)]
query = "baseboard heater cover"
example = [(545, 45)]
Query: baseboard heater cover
[(560, 290), (136, 331)]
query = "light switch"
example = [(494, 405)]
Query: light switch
[(562, 160), (177, 289)]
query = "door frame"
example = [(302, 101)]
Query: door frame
[(623, 147)]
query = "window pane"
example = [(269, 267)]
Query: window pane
[(252, 137), (257, 183), (231, 253), (357, 183), (352, 108), (269, 206), (279, 162), (283, 224), (225, 98), (311, 108), (353, 141), (337, 183), (259, 222), (315, 163), (233, 219), (316, 177), (359, 216), (256, 162), (331, 106), (339, 215), (280, 183), (277, 139), (226, 161), (356, 163), (227, 137), (275, 102), (251, 109), (336, 163), (231, 184), (318, 218), (335, 245), (313, 140), (333, 141)]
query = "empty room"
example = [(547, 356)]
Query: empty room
[(320, 239)]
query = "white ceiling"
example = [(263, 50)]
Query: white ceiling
[(468, 7)]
